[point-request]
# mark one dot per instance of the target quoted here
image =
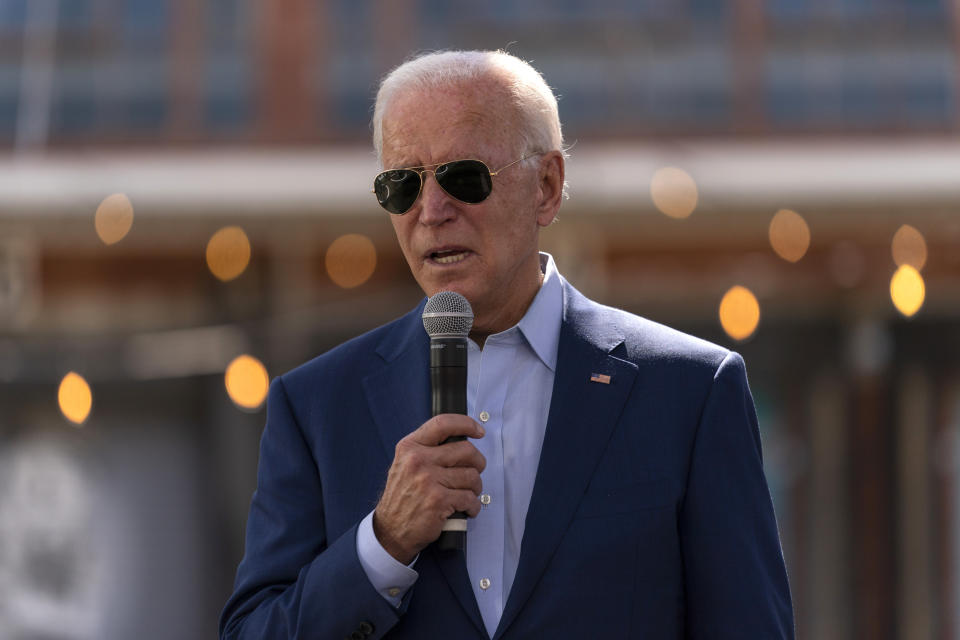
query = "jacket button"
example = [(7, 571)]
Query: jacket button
[(366, 627)]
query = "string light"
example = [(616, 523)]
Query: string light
[(739, 313), (909, 247), (228, 253), (75, 398), (673, 192), (247, 382), (907, 290), (114, 218), (351, 260), (789, 235)]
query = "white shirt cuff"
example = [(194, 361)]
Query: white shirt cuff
[(390, 577)]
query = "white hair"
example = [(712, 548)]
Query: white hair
[(539, 121)]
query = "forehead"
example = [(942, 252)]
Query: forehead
[(422, 126)]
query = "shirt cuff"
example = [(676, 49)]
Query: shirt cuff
[(390, 577)]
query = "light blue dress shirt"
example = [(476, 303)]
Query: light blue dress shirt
[(509, 387)]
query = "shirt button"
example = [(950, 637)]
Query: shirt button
[(485, 499), (393, 591), (484, 583), (484, 416)]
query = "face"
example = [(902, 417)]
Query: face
[(487, 252)]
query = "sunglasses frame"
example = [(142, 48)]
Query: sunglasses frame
[(432, 168)]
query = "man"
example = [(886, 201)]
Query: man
[(612, 473)]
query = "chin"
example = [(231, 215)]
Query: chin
[(463, 288)]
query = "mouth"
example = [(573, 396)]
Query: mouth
[(448, 256)]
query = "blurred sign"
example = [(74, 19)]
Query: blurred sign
[(49, 561), (19, 280)]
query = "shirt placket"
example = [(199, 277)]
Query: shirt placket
[(485, 535)]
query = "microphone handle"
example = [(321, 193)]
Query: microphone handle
[(448, 394)]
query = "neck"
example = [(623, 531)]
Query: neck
[(504, 318), (479, 338)]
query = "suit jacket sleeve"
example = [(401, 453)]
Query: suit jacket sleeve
[(293, 582), (736, 583)]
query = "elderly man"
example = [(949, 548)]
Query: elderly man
[(613, 469)]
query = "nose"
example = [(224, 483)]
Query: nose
[(436, 206)]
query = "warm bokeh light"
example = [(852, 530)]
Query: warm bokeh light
[(75, 398), (909, 247), (739, 313), (789, 235), (228, 253), (247, 382), (674, 192), (114, 218), (907, 290), (351, 260)]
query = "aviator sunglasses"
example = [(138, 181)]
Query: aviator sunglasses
[(469, 181)]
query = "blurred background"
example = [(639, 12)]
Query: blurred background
[(185, 212)]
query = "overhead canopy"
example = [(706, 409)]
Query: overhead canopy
[(334, 182)]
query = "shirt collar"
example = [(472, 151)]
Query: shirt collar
[(540, 325)]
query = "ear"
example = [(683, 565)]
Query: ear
[(550, 190)]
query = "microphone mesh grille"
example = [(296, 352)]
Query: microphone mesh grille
[(447, 314)]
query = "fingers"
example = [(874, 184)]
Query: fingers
[(467, 501), (415, 453), (458, 454), (445, 504), (446, 425), (429, 480), (462, 478)]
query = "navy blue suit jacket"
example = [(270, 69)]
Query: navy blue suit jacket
[(650, 515)]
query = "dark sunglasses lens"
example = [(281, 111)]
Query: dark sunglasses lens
[(466, 180), (397, 190)]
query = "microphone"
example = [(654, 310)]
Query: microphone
[(447, 319)]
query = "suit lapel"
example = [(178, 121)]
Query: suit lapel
[(399, 393), (453, 566), (582, 417), (399, 399)]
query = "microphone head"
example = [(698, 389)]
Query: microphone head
[(447, 315)]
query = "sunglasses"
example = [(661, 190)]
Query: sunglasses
[(469, 181)]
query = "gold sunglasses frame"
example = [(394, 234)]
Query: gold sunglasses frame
[(432, 168)]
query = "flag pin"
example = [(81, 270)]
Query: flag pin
[(600, 377)]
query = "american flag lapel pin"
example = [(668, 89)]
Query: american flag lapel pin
[(602, 378)]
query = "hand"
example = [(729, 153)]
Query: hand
[(427, 482)]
